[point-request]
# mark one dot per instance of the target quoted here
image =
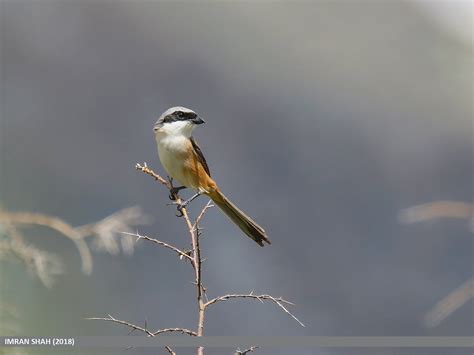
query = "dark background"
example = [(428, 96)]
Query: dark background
[(323, 121)]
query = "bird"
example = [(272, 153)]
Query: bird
[(184, 161)]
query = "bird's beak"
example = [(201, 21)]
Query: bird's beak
[(198, 120)]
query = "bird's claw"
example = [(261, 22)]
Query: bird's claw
[(182, 204), (180, 208), (172, 195), (174, 192)]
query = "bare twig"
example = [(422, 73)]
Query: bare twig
[(246, 351), (175, 330), (194, 256), (44, 264), (103, 231), (128, 324), (144, 168), (200, 291), (201, 214), (437, 209), (278, 301), (456, 299), (196, 250), (134, 327), (40, 220), (145, 330), (163, 244), (65, 229), (106, 230)]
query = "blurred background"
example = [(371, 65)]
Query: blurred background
[(324, 121)]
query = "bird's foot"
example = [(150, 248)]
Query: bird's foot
[(182, 205), (180, 208), (174, 192)]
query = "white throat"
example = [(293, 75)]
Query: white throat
[(175, 129), (173, 136)]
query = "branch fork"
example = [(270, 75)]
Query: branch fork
[(194, 257)]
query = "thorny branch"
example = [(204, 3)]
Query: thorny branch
[(194, 256), (201, 214), (180, 252), (175, 330), (134, 327), (128, 324), (150, 333), (278, 301), (144, 168)]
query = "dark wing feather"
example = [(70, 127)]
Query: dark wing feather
[(200, 156)]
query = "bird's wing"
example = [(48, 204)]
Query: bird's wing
[(200, 156)]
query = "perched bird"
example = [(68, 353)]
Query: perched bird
[(183, 160)]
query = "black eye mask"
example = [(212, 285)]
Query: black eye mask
[(183, 116), (180, 116)]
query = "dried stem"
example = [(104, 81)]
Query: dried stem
[(278, 301), (103, 231), (65, 229), (201, 214), (196, 250), (128, 324), (194, 256), (175, 330), (144, 168), (181, 253), (44, 264), (134, 327), (455, 300), (197, 263), (435, 210)]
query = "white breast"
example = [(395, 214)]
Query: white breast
[(171, 150)]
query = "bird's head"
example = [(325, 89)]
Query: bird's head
[(177, 121)]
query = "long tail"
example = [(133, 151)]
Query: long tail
[(244, 222)]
